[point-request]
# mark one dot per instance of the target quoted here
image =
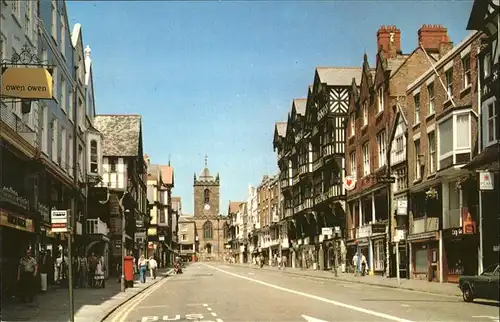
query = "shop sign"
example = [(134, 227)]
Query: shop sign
[(16, 222), (327, 231), (59, 221), (349, 183), (118, 244), (27, 83), (486, 180), (378, 228)]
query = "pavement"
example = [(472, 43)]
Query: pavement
[(226, 292), (376, 280), (90, 304)]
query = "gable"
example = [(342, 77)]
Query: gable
[(366, 85), (380, 71)]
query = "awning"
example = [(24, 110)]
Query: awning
[(488, 158)]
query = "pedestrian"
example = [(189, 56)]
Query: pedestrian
[(153, 265), (99, 274), (142, 265), (364, 265), (82, 271), (26, 273), (279, 262), (355, 263), (92, 265), (283, 262)]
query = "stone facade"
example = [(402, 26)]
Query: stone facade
[(209, 225)]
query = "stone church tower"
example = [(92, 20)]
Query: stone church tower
[(209, 224)]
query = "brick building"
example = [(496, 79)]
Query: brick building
[(371, 112), (485, 17), (441, 109)]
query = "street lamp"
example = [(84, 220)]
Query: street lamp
[(124, 216), (218, 237)]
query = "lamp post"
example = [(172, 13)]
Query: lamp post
[(218, 237), (123, 211)]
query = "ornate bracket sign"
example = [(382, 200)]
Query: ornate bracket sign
[(25, 77)]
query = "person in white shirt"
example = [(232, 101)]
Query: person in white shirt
[(153, 265)]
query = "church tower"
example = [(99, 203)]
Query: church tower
[(206, 194)]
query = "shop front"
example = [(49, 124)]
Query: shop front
[(17, 234), (424, 256), (460, 255)]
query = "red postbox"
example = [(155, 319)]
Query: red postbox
[(128, 266)]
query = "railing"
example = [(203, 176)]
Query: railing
[(423, 225), (16, 123), (288, 212), (328, 149), (97, 226), (304, 168), (308, 203)]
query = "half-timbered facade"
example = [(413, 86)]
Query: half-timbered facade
[(124, 177), (485, 17)]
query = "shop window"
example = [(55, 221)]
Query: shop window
[(421, 261)]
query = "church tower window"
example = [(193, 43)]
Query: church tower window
[(206, 196), (207, 230)]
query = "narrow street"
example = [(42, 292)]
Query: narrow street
[(221, 292)]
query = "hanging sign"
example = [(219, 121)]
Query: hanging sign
[(349, 183), (486, 180), (27, 83), (59, 221)]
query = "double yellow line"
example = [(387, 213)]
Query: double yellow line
[(123, 312)]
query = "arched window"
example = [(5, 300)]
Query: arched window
[(206, 196), (207, 230), (94, 164)]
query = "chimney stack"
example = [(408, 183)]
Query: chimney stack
[(434, 39), (389, 41)]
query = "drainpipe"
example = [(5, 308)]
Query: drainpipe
[(479, 143)]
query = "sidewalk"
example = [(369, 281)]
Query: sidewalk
[(413, 285), (91, 304)]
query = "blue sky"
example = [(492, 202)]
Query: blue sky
[(212, 77)]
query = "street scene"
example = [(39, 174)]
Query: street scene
[(249, 161), (221, 292)]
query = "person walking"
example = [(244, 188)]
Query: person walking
[(153, 266), (26, 273), (142, 265)]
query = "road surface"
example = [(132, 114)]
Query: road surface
[(224, 293)]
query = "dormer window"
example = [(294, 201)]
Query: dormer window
[(93, 154), (365, 114), (380, 99)]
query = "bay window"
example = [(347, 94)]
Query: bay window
[(366, 159), (454, 140)]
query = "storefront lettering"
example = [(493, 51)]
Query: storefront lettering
[(457, 232), (23, 88), (16, 221)]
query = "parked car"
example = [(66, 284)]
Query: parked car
[(484, 286)]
